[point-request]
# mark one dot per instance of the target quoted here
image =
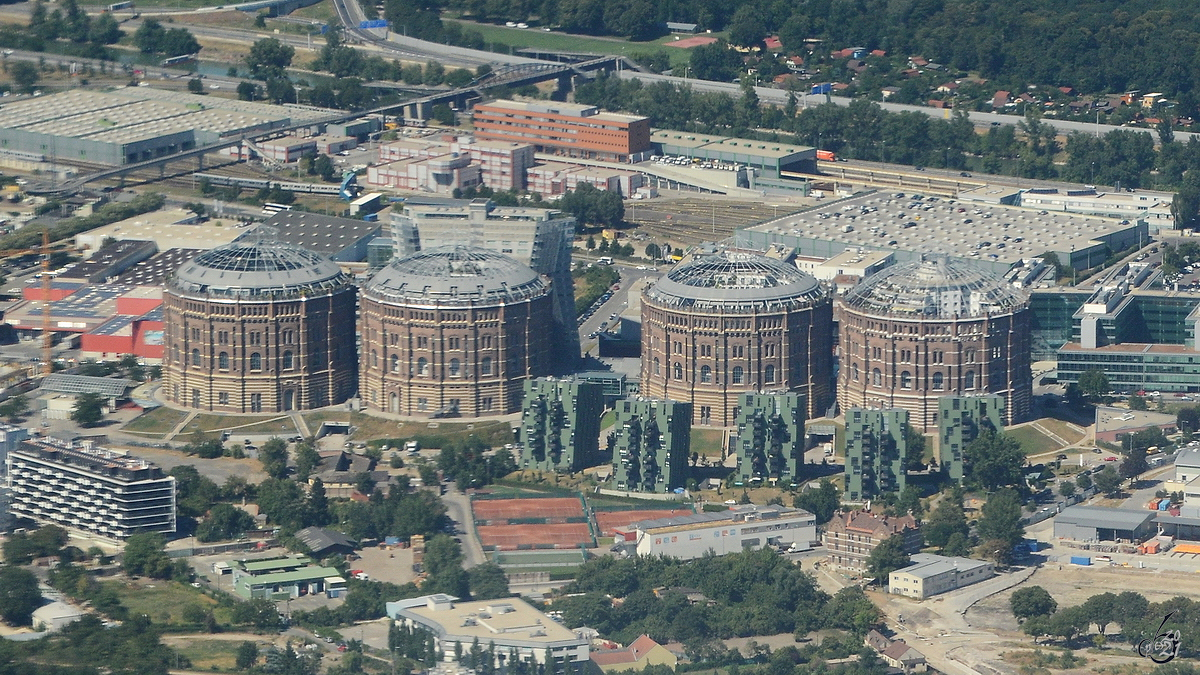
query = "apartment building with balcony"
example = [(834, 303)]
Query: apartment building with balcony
[(89, 489)]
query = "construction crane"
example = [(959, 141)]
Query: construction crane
[(47, 334)]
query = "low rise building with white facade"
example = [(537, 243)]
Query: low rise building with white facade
[(930, 574), (508, 625), (693, 536)]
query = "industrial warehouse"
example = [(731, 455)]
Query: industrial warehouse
[(134, 124)]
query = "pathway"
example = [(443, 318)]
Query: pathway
[(301, 425), (181, 426)]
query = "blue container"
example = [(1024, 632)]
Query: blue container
[(1080, 560)]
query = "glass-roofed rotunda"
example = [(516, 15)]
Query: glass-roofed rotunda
[(730, 322), (934, 327), (259, 326), (454, 331)]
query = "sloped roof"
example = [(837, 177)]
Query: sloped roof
[(319, 539)]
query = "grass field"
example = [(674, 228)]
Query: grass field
[(164, 601), (368, 428), (263, 424), (707, 442), (209, 655), (555, 41), (158, 421), (608, 419), (1032, 441)]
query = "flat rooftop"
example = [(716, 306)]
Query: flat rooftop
[(744, 514), (327, 235), (1130, 348), (1115, 419), (563, 109), (1104, 518), (926, 565), (154, 271), (510, 618), (171, 228), (930, 224), (727, 144), (92, 459)]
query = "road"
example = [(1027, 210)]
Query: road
[(615, 305), (458, 507)]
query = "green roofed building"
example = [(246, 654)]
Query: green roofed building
[(960, 420), (650, 445), (769, 442), (282, 578), (560, 425), (875, 448)]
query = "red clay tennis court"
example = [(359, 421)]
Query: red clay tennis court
[(505, 509), (511, 537), (607, 520)]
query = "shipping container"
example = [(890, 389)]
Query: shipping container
[(1080, 560)]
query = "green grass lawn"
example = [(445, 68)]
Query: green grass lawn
[(164, 601), (608, 419), (158, 421), (261, 424), (1062, 430), (707, 442), (209, 655), (556, 41), (1032, 441)]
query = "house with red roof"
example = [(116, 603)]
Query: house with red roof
[(640, 653), (773, 42), (1000, 99)]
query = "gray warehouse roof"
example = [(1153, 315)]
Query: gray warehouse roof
[(1104, 518), (730, 278), (456, 275), (926, 565), (258, 267), (83, 384), (934, 287), (327, 235)]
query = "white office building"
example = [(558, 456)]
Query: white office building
[(722, 532), (89, 489), (507, 625), (930, 574)]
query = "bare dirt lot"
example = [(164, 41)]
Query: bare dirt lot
[(394, 566)]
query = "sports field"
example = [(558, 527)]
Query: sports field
[(512, 537), (607, 520), (503, 510)]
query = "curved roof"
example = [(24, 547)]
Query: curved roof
[(456, 275), (258, 268), (736, 281), (935, 287)]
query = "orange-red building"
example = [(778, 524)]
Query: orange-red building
[(568, 129)]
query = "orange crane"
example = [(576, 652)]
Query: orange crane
[(47, 334)]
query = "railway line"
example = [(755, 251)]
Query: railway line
[(945, 186)]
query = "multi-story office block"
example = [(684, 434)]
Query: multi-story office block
[(539, 238), (960, 420), (564, 128), (89, 489), (10, 439), (875, 449), (560, 425), (770, 438), (650, 444)]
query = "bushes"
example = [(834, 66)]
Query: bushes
[(109, 213)]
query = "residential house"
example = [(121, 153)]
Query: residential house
[(640, 653), (850, 537), (1001, 99), (878, 52), (917, 62), (773, 42), (888, 91), (936, 103), (1069, 91), (900, 655), (948, 88)]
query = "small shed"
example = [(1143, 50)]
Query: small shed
[(54, 616)]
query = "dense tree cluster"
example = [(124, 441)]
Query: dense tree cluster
[(756, 593), (593, 206), (88, 647), (22, 547), (68, 22), (994, 460), (471, 464), (152, 38)]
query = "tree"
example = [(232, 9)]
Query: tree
[(994, 460), (1134, 463), (224, 522), (1137, 402), (14, 408), (887, 557), (442, 114), (488, 582), (1093, 383), (1108, 481), (247, 91), (269, 59), (851, 609), (274, 455), (25, 75), (1066, 488), (89, 409), (746, 28), (443, 563), (144, 556), (1083, 482), (105, 30), (196, 85), (1000, 524), (914, 449), (247, 655), (19, 595), (821, 502), (653, 251), (306, 459), (715, 61), (946, 520), (1031, 601), (148, 36)]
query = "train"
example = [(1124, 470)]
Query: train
[(260, 183)]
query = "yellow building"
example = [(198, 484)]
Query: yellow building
[(640, 653)]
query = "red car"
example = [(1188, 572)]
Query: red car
[(1110, 459)]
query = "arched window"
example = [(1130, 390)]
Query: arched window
[(177, 355), (939, 381), (769, 374), (705, 374), (422, 367), (374, 359), (195, 357), (454, 367), (969, 380), (255, 361), (656, 365), (906, 380), (485, 365), (223, 361), (737, 374), (395, 363), (854, 372), (876, 378), (678, 371), (288, 361)]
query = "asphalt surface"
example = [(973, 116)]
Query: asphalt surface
[(614, 305)]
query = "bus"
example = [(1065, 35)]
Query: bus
[(606, 260)]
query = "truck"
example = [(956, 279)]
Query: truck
[(605, 260), (826, 156), (1081, 560)]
